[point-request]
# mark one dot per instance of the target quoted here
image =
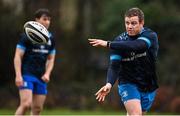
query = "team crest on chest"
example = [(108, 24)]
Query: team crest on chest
[(42, 46)]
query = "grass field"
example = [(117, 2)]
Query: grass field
[(60, 111), (66, 112)]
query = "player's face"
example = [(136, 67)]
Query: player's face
[(44, 20), (133, 26)]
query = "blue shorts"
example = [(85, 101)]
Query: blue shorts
[(37, 86), (130, 91)]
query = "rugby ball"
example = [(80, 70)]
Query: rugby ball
[(36, 32)]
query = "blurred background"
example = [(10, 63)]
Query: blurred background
[(80, 70)]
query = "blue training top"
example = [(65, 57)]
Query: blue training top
[(35, 55), (133, 59)]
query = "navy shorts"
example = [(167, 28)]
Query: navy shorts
[(130, 91), (33, 83)]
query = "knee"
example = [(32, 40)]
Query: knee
[(26, 105), (37, 109)]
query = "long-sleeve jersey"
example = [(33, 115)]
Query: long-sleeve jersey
[(133, 60)]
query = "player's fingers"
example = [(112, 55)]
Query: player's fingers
[(19, 83), (16, 83), (92, 39), (93, 42), (99, 100), (98, 96), (45, 80), (99, 91), (103, 98), (96, 44)]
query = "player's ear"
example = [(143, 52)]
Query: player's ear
[(142, 22), (36, 19)]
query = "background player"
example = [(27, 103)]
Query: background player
[(132, 62), (33, 65)]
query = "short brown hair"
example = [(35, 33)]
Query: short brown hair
[(41, 12), (135, 12)]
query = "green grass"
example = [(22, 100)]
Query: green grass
[(74, 112), (60, 111)]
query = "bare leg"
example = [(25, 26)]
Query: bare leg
[(37, 105), (25, 101), (133, 107)]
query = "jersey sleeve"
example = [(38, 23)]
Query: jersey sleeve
[(114, 67), (150, 38), (124, 46), (52, 49), (22, 44), (142, 43)]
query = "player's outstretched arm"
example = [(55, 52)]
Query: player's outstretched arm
[(98, 42), (101, 94), (135, 45)]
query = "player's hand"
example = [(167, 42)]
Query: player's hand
[(98, 42), (101, 94), (45, 78), (19, 81)]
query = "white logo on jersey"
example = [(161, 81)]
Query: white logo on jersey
[(41, 49), (134, 56), (42, 46), (124, 94)]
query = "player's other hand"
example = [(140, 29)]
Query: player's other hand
[(98, 42), (45, 78), (19, 81), (101, 94)]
